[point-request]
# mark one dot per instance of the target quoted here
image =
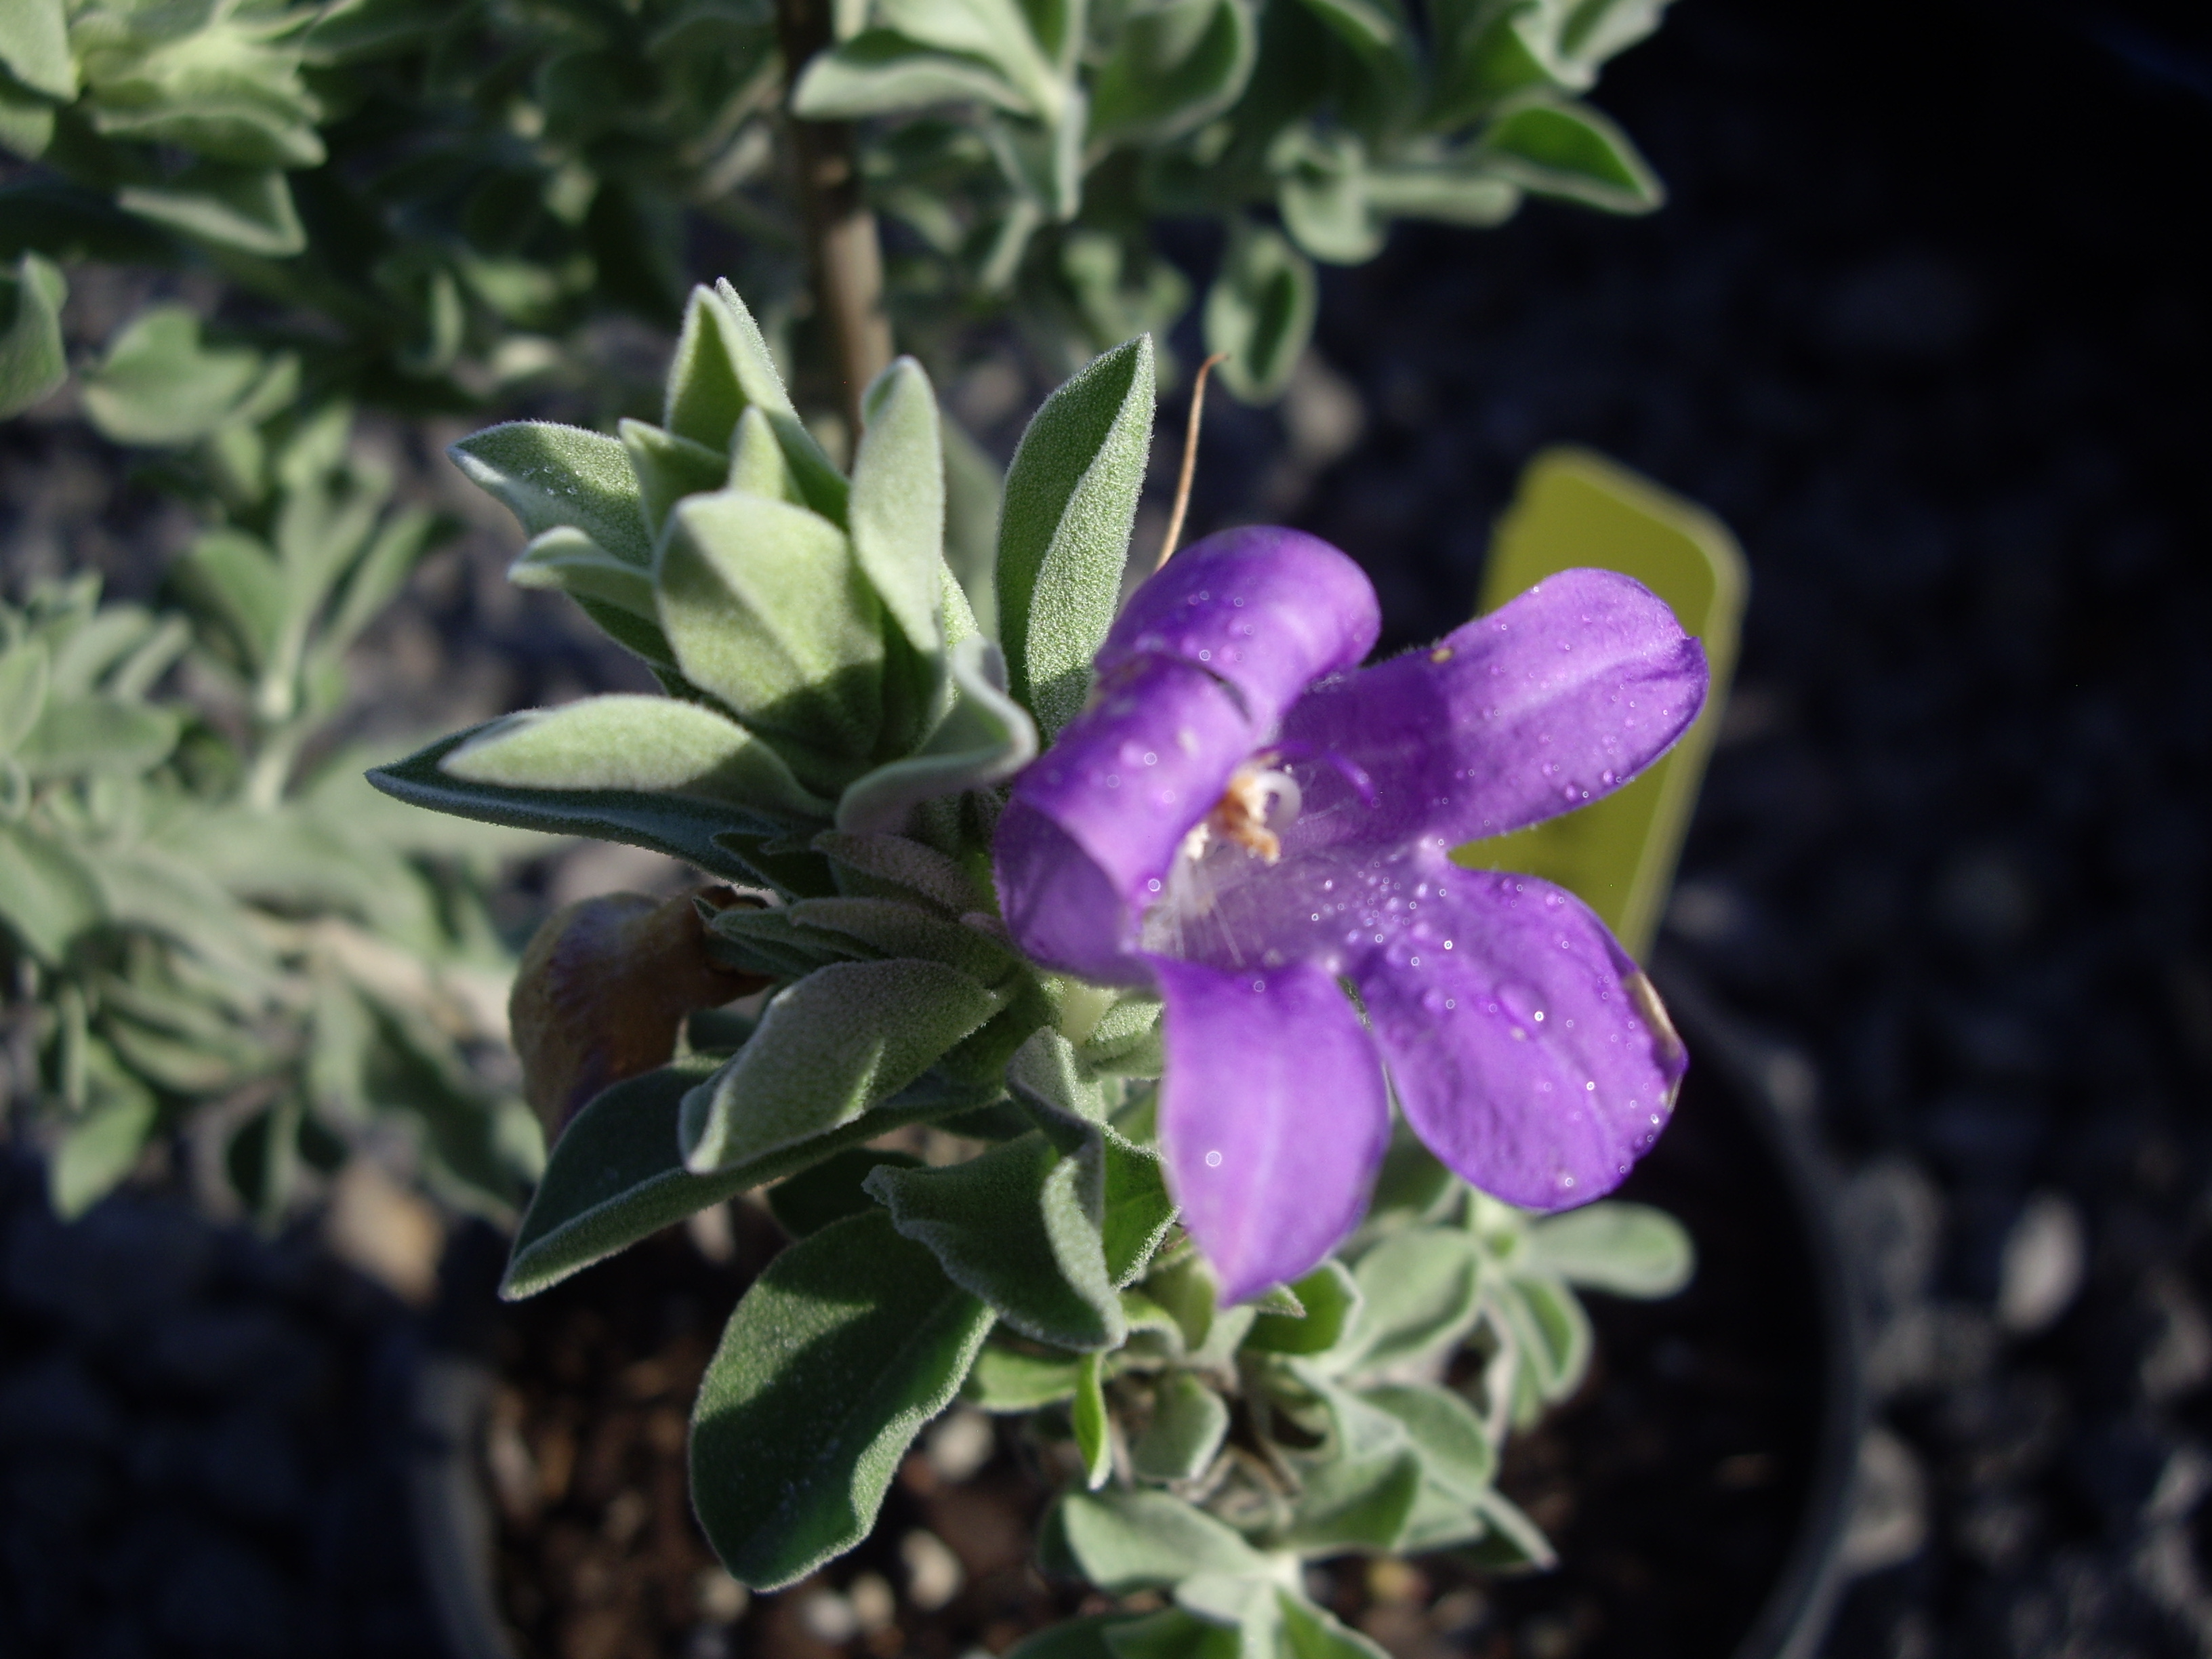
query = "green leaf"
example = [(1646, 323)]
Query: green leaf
[(1310, 1632), (1511, 1541), (565, 561), (678, 825), (1552, 1330), (668, 468), (842, 1349), (889, 927), (1420, 1289), (1094, 1427), (249, 208), (1019, 1226), (1332, 1300), (1186, 1428), (893, 866), (1175, 67), (1064, 536), (26, 120), (48, 895), (880, 72), (1141, 1539), (844, 1039), (722, 369), (617, 1174), (638, 745), (1071, 1638), (550, 475), (896, 508), (103, 735), (1260, 311), (1321, 187), (160, 384), (23, 679), (832, 1189), (1461, 189), (1630, 1250), (34, 46), (1570, 150), (34, 363), (1360, 1491), (766, 607), (985, 740), (1456, 1454), (1139, 1211), (1010, 1380), (1172, 1633), (994, 31), (98, 1150)]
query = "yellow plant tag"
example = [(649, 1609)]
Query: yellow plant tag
[(1576, 510)]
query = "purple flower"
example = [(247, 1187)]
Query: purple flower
[(1251, 823)]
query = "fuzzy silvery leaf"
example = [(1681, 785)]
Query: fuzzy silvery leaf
[(160, 384), (249, 208), (1550, 1329), (844, 1039), (1456, 1454), (1174, 68), (996, 32), (25, 672), (98, 1150), (234, 578), (1629, 1250), (1064, 534), (32, 360), (617, 1174), (1019, 1226), (1456, 190), (1360, 1491), (1511, 1542), (985, 740), (766, 607), (768, 942), (48, 895), (104, 735), (1187, 1424), (758, 465), (893, 866), (849, 1342), (1260, 311), (1569, 150), (885, 927), (1321, 187), (1093, 1425), (567, 561), (678, 825), (549, 475), (635, 744), (1421, 1288), (881, 72), (1011, 1380), (1312, 1632), (1124, 1542), (26, 120), (1331, 1299), (721, 368), (34, 47), (832, 1189), (668, 468), (1047, 1079), (895, 512)]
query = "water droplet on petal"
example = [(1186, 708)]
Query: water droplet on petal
[(1214, 1160)]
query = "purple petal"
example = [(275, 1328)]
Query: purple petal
[(1268, 609), (1121, 789), (1551, 701), (1525, 1048), (1272, 1117)]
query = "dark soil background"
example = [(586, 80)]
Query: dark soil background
[(1926, 322)]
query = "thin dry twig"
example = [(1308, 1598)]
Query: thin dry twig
[(1189, 459)]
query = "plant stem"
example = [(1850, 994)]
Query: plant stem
[(848, 261)]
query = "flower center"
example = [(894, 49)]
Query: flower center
[(1257, 806)]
